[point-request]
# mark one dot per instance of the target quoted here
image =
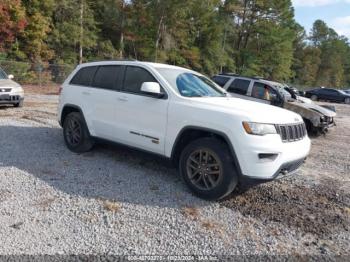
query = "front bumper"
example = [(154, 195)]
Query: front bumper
[(10, 98), (266, 157), (285, 170), (327, 123)]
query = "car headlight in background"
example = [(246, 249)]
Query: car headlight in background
[(259, 129)]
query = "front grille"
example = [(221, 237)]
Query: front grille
[(5, 90), (292, 132)]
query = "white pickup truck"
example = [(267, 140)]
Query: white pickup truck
[(217, 141)]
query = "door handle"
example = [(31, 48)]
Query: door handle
[(122, 99), (86, 93)]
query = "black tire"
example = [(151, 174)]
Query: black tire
[(20, 104), (227, 179), (81, 141), (314, 98)]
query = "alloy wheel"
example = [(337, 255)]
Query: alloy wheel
[(73, 132), (204, 169)]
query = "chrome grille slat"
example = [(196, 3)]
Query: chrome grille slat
[(291, 132)]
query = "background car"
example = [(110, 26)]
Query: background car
[(11, 93), (317, 118), (328, 94)]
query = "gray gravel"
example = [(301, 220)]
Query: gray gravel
[(113, 200)]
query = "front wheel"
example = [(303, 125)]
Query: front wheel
[(207, 167), (347, 101), (76, 134), (314, 98)]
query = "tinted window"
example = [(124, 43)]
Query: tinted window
[(106, 77), (262, 91), (135, 77), (221, 80), (239, 86), (84, 76)]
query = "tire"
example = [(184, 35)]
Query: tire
[(20, 104), (314, 98), (80, 141), (347, 101), (210, 151)]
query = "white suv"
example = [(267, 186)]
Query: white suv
[(216, 140)]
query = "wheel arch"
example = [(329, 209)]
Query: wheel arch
[(189, 133), (69, 108)]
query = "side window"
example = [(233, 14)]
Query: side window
[(106, 77), (221, 80), (262, 91), (239, 86), (135, 77), (84, 76)]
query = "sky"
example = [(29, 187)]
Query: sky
[(336, 13)]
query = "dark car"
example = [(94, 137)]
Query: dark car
[(328, 94)]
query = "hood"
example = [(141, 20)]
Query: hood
[(8, 83), (312, 107), (304, 100), (250, 110)]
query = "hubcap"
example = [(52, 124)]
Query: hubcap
[(204, 169), (73, 132)]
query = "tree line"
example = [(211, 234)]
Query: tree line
[(248, 37)]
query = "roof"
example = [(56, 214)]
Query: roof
[(132, 62)]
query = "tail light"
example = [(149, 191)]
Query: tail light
[(60, 90)]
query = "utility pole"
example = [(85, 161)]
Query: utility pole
[(81, 31)]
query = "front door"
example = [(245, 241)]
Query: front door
[(141, 119)]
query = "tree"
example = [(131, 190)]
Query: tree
[(74, 30), (12, 22), (34, 39)]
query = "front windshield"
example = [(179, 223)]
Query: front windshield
[(2, 74), (189, 84), (283, 92)]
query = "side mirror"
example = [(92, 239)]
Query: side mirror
[(11, 77), (152, 89)]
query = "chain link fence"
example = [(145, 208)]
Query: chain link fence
[(36, 74)]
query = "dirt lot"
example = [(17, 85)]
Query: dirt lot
[(117, 201)]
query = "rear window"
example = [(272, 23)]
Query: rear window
[(221, 80), (84, 76), (106, 77), (239, 86)]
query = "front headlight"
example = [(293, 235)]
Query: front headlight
[(259, 129)]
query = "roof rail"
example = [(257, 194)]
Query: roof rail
[(229, 74)]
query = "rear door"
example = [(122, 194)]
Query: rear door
[(239, 88), (102, 100), (141, 119)]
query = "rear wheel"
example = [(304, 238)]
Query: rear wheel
[(207, 167), (314, 98), (347, 101), (76, 134)]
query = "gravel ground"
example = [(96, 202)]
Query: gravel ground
[(113, 200)]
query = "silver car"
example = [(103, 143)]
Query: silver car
[(11, 93)]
